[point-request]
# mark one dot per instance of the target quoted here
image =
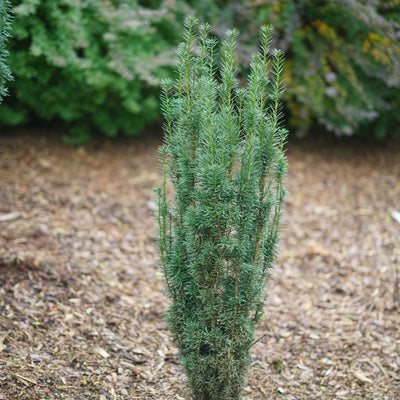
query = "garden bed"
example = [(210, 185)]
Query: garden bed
[(81, 296)]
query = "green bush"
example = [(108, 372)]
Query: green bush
[(218, 234), (343, 68), (92, 64), (95, 65), (5, 32)]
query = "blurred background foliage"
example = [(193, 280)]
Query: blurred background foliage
[(343, 63), (5, 33), (96, 65)]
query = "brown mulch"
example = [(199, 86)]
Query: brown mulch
[(81, 296)]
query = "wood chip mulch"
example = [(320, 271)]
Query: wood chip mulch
[(81, 296)]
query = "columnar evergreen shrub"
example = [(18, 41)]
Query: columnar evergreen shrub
[(90, 65), (5, 32), (224, 156)]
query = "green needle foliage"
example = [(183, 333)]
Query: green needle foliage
[(5, 33), (224, 155)]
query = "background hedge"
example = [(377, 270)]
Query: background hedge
[(96, 65), (344, 63), (5, 29)]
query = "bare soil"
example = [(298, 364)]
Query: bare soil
[(81, 296)]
